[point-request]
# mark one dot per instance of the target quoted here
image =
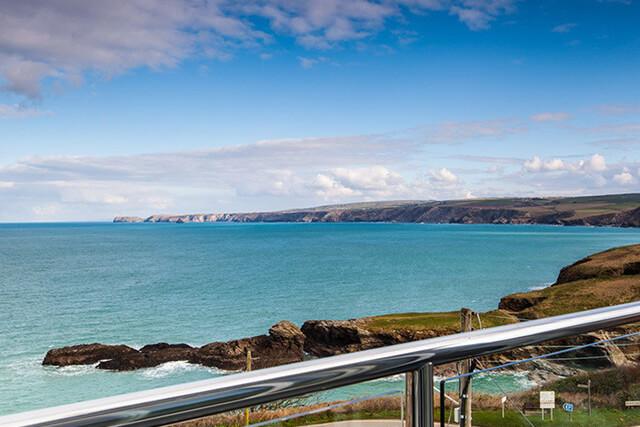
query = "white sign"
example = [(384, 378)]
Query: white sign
[(504, 399), (547, 399)]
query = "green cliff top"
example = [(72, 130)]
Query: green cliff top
[(603, 279)]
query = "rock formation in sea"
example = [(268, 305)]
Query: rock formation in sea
[(284, 344), (85, 354), (607, 278)]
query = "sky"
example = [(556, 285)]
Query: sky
[(165, 106)]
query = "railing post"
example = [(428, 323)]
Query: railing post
[(442, 403), (409, 399), (421, 397)]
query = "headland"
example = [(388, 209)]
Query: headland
[(618, 210)]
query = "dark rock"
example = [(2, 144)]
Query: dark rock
[(85, 354), (149, 356), (332, 337), (519, 302), (283, 345)]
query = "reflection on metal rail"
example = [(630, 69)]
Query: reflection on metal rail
[(201, 398), (334, 406)]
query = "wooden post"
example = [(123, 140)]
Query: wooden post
[(466, 317), (246, 411), (408, 379), (589, 391)]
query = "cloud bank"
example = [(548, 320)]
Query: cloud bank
[(278, 174), (41, 52)]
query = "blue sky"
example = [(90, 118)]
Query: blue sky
[(182, 107)]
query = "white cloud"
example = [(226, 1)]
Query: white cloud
[(18, 112), (628, 128), (624, 178), (563, 28), (57, 42), (444, 175), (599, 181), (555, 117), (330, 189), (616, 109), (302, 172), (376, 177), (59, 39), (595, 163), (478, 14), (307, 63), (448, 132), (497, 169), (441, 184), (376, 182)]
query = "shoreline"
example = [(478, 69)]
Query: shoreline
[(613, 271)]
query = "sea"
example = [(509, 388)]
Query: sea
[(136, 284)]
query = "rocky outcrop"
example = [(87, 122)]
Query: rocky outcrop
[(519, 302), (149, 356), (85, 354), (283, 345), (332, 337)]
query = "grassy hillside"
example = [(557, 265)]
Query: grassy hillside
[(580, 207), (607, 278), (538, 206), (620, 210)]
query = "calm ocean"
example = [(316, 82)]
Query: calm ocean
[(64, 284)]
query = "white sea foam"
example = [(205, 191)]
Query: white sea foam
[(72, 371), (176, 368), (519, 380), (537, 288)]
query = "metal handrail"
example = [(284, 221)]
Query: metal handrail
[(334, 406), (197, 399)]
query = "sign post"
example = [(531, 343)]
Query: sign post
[(569, 408), (588, 387), (504, 399), (547, 401)]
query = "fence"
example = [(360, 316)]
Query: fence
[(193, 400)]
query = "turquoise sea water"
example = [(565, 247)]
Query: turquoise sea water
[(64, 284)]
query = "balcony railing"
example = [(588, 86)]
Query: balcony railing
[(232, 392)]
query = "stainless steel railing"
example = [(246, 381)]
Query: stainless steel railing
[(197, 399)]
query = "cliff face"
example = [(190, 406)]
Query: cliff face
[(331, 337), (617, 210), (121, 219)]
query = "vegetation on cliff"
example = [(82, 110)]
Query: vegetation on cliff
[(622, 210), (606, 278)]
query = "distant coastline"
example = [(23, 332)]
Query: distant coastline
[(619, 210)]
